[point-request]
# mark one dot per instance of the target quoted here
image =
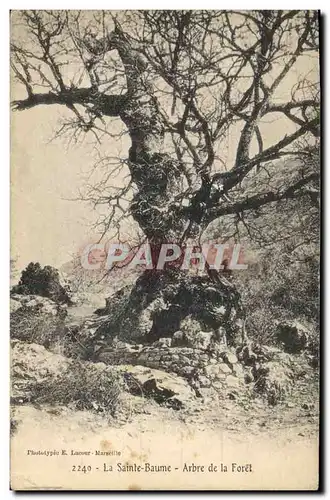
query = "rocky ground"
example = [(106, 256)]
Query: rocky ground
[(184, 392), (152, 396)]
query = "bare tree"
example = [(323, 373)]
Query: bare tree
[(181, 82)]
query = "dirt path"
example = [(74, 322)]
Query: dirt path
[(279, 446)]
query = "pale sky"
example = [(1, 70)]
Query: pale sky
[(45, 226)]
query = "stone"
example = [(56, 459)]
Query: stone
[(219, 384), (37, 319), (293, 336), (222, 367), (204, 381), (162, 342), (211, 370), (185, 360), (199, 340), (187, 370), (238, 370), (177, 339), (232, 381), (164, 388), (14, 305), (36, 304), (229, 358), (31, 364)]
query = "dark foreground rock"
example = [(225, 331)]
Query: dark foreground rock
[(293, 336)]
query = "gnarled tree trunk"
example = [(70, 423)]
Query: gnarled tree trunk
[(162, 299)]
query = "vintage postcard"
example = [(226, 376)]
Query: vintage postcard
[(165, 225)]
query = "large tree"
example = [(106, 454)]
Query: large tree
[(195, 91)]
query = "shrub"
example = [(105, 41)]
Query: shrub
[(276, 290), (82, 386), (30, 326)]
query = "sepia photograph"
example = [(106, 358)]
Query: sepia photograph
[(165, 250)]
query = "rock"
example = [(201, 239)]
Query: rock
[(162, 342), (219, 385), (170, 390), (187, 371), (44, 282), (15, 304), (36, 304), (204, 381), (293, 336), (31, 364), (232, 381), (223, 368), (199, 340), (238, 370), (229, 358), (178, 339), (211, 371)]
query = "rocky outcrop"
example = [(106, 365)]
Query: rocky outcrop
[(45, 282)]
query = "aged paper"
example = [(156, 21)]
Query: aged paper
[(165, 250)]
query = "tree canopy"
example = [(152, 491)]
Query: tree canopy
[(212, 101)]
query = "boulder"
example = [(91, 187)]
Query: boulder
[(45, 282), (163, 342), (193, 336), (164, 388), (293, 336), (229, 358), (178, 339)]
